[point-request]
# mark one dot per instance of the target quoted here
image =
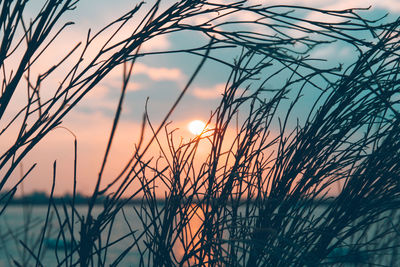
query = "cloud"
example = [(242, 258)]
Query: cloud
[(159, 74), (390, 5), (209, 93), (157, 43), (104, 96), (212, 93), (332, 52), (156, 74), (114, 81)]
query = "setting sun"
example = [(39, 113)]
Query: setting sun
[(196, 127)]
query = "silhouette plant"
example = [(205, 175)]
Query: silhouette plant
[(259, 199)]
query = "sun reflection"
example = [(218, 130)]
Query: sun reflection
[(191, 238)]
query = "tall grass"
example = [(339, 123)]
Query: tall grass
[(289, 189), (263, 199)]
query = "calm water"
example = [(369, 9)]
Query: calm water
[(13, 223)]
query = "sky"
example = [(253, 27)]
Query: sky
[(160, 78)]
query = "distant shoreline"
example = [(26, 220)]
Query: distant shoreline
[(41, 198)]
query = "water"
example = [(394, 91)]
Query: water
[(19, 224), (24, 225)]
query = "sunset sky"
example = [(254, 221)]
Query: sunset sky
[(159, 78)]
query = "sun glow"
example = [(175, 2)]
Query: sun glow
[(196, 127)]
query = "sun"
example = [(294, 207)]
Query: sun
[(196, 127)]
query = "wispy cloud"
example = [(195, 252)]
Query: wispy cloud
[(209, 93), (157, 43), (212, 92), (159, 74), (332, 52), (390, 5)]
